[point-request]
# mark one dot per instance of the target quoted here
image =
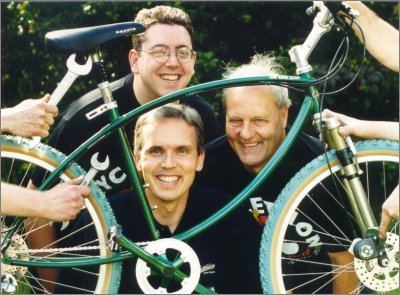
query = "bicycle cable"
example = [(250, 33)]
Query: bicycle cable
[(334, 70), (322, 96), (362, 60)]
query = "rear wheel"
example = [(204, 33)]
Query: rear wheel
[(18, 160), (305, 241)]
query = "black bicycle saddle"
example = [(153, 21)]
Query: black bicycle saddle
[(85, 40)]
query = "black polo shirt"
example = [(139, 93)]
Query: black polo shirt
[(74, 128)]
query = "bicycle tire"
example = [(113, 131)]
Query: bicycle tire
[(277, 277), (17, 153)]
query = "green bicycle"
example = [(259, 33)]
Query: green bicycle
[(336, 175)]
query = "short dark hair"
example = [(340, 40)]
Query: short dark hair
[(175, 111), (161, 14)]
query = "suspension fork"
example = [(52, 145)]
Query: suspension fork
[(349, 173), (371, 246)]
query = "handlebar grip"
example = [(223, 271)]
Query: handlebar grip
[(337, 6), (311, 11), (333, 6)]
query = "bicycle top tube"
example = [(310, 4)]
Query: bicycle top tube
[(260, 178), (181, 94), (214, 85)]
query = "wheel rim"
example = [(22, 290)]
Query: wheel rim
[(31, 281), (277, 273)]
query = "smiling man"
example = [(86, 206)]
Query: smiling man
[(168, 152), (256, 125), (255, 134), (162, 61)]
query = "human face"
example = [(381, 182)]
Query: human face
[(168, 159), (255, 127), (154, 79)]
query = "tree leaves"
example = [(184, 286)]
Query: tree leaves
[(225, 32)]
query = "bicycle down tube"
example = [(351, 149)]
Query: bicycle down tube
[(116, 123), (309, 108)]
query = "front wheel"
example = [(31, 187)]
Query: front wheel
[(42, 255), (304, 247)]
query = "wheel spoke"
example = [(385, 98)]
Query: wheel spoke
[(36, 242), (307, 236)]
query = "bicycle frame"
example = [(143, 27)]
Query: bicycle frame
[(310, 103), (309, 107)]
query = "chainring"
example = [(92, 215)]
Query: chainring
[(181, 256)]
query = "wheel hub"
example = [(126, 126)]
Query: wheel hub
[(381, 278)]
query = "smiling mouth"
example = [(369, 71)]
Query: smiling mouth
[(168, 179), (172, 78), (249, 145)]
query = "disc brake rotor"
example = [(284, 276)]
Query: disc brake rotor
[(182, 256), (376, 277), (14, 250)]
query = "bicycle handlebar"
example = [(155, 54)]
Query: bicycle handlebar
[(334, 7), (323, 22), (299, 54)]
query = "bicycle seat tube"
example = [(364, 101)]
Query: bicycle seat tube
[(349, 173), (110, 105)]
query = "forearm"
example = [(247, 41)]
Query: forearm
[(5, 120), (379, 129), (381, 38), (17, 201)]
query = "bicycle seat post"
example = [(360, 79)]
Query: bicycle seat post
[(110, 105)]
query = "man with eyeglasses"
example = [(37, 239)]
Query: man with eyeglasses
[(161, 61)]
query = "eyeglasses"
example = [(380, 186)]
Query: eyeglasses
[(162, 54)]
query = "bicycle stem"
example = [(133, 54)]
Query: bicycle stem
[(299, 54)]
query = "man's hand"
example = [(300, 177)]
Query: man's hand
[(32, 117), (64, 201), (390, 210)]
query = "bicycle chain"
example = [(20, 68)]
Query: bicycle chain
[(70, 249)]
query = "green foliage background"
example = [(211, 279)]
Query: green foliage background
[(227, 32)]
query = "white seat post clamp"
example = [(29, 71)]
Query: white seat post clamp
[(101, 109)]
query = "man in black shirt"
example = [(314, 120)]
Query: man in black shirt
[(168, 151), (162, 61), (256, 124)]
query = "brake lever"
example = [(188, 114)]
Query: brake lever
[(334, 7), (339, 6)]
